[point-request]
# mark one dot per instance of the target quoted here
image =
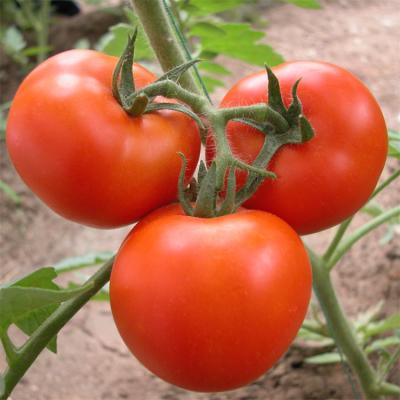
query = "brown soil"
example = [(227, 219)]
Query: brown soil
[(92, 362)]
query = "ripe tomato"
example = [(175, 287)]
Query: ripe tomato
[(324, 181), (87, 159), (210, 304)]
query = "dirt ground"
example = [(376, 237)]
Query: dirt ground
[(92, 362)]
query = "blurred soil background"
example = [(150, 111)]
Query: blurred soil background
[(92, 362)]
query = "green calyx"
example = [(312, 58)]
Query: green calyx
[(139, 102), (217, 194)]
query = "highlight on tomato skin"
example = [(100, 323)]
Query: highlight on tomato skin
[(326, 180), (210, 304), (83, 155)]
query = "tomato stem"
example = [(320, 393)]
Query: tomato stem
[(343, 334), (162, 38)]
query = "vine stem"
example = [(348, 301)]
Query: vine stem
[(343, 333), (160, 32), (338, 325), (28, 353)]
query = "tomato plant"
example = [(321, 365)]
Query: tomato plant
[(210, 304), (206, 294), (83, 155), (322, 182)]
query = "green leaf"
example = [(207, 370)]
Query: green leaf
[(212, 83), (87, 260), (206, 29), (41, 278), (323, 341), (373, 209), (207, 7), (29, 300), (10, 192), (82, 43), (326, 358), (304, 3), (388, 324), (214, 68), (35, 50), (382, 344), (206, 198), (237, 41), (114, 42), (12, 40), (368, 316), (394, 144)]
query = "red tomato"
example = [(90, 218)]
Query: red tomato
[(83, 155), (324, 181), (210, 304)]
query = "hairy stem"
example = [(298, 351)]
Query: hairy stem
[(28, 353), (339, 327), (158, 28)]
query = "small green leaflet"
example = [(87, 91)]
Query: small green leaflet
[(207, 7), (114, 42), (212, 83), (394, 144), (381, 344), (304, 3), (214, 68), (326, 358), (390, 323), (13, 40), (234, 40), (87, 260), (10, 192)]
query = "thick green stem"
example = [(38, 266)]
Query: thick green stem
[(27, 354), (340, 329), (158, 28)]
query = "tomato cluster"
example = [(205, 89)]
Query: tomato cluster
[(208, 304)]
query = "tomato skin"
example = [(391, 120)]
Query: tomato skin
[(77, 149), (324, 181), (210, 304)]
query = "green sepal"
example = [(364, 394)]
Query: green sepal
[(175, 73), (295, 107), (185, 204), (206, 199), (127, 83), (306, 130), (228, 206), (139, 105), (180, 108), (123, 84), (202, 172), (274, 93)]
